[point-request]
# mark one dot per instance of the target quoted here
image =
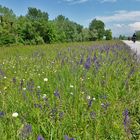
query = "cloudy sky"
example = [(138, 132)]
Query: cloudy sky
[(121, 16)]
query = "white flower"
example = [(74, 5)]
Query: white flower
[(71, 93), (15, 114), (45, 79), (39, 74), (94, 99), (38, 86), (4, 77), (88, 97), (71, 86), (44, 96), (24, 88)]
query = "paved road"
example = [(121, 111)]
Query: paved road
[(134, 46)]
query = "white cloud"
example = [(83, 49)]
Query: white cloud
[(103, 1), (135, 26), (118, 25), (120, 16), (75, 1), (121, 29)]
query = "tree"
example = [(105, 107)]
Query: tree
[(7, 26), (67, 30), (97, 26), (36, 14), (108, 34), (138, 35)]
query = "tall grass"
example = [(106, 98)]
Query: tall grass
[(82, 91)]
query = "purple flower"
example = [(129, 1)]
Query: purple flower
[(61, 114), (105, 105), (90, 103), (26, 131), (2, 113), (126, 121), (126, 117), (81, 60), (92, 115), (56, 93), (67, 138), (38, 106), (94, 58), (88, 63), (30, 85), (40, 138), (2, 73)]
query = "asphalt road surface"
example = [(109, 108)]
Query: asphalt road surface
[(134, 46)]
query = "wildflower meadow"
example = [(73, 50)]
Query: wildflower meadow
[(70, 91)]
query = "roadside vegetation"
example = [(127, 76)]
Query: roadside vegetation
[(70, 91)]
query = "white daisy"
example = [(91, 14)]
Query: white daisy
[(15, 114), (45, 79)]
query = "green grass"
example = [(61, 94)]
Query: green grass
[(96, 86)]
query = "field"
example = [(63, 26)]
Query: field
[(73, 91)]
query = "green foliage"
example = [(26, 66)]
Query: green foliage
[(108, 34), (122, 37), (138, 35), (36, 14), (97, 26), (36, 28)]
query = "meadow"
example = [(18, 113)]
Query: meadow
[(72, 91)]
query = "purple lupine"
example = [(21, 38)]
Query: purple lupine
[(94, 57), (105, 105), (56, 94), (40, 138), (26, 131), (2, 73), (88, 63), (103, 96), (126, 121), (90, 103), (2, 113), (126, 117), (61, 114), (30, 85), (92, 115), (67, 138), (38, 106), (81, 60)]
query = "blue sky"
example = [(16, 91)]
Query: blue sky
[(121, 16)]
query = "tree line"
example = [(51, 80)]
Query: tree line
[(36, 28)]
